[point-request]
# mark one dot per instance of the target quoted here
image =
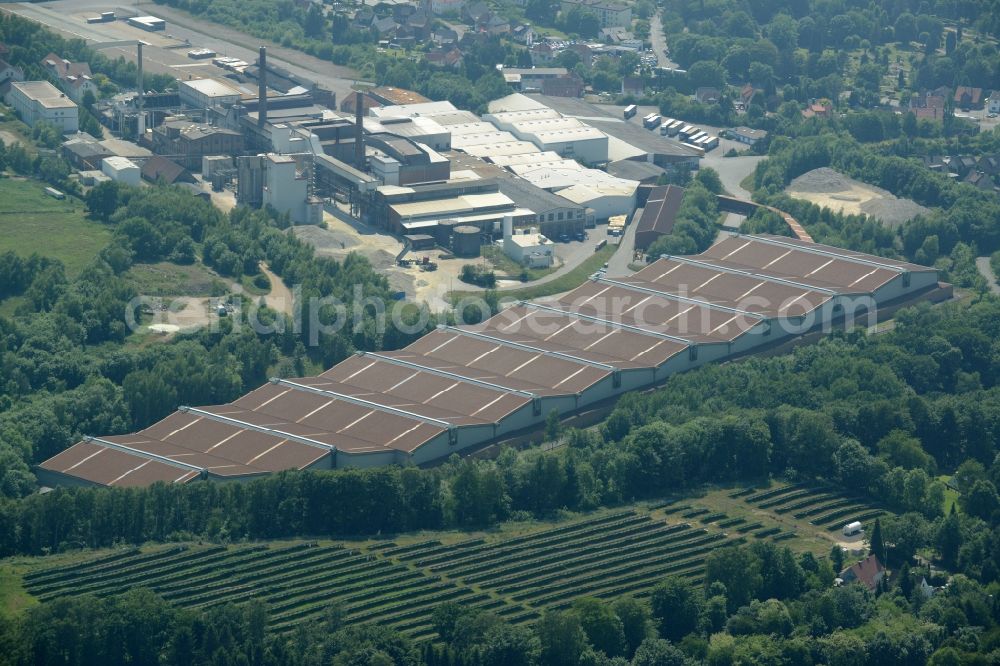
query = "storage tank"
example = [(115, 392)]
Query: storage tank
[(508, 226), (465, 241)]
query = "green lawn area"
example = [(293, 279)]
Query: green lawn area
[(31, 221), (950, 495), (167, 279), (504, 264), (563, 283)]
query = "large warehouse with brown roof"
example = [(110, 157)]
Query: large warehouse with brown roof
[(462, 387)]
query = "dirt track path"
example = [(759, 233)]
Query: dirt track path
[(983, 264), (279, 298)]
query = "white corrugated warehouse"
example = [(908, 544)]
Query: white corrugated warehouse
[(121, 169)]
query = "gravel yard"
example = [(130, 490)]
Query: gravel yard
[(831, 189)]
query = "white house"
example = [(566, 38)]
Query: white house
[(993, 102), (35, 101)]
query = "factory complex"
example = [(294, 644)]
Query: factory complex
[(459, 388)]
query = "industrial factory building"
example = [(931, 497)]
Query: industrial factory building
[(459, 388)]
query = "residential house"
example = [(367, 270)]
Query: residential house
[(989, 164), (476, 13), (444, 36), (608, 13), (75, 77), (585, 53), (444, 59), (439, 7), (523, 33), (542, 54), (967, 97), (961, 165), (979, 180), (496, 25), (385, 27), (993, 102), (420, 23), (708, 95), (934, 162), (404, 37), (819, 109), (747, 93), (362, 20), (8, 74), (869, 572)]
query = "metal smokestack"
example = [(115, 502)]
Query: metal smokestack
[(359, 130), (262, 87)]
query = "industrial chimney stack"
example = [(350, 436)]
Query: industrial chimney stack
[(359, 130), (262, 87)]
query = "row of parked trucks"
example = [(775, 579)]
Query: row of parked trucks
[(690, 135)]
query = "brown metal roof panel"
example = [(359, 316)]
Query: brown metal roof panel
[(457, 395), (286, 454), (907, 266), (421, 406), (107, 466), (283, 400), (152, 471), (655, 313), (601, 343), (71, 457), (485, 374)]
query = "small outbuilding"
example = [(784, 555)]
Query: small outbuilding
[(853, 529)]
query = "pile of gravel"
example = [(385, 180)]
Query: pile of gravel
[(888, 208), (894, 211), (821, 181)]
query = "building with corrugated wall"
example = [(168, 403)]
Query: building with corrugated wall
[(459, 388)]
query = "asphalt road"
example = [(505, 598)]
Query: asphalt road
[(732, 170), (167, 51), (659, 42), (619, 261)]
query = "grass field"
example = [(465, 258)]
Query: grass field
[(31, 221), (167, 279), (570, 280), (516, 571)]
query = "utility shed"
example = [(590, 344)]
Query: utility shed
[(121, 169), (659, 215)]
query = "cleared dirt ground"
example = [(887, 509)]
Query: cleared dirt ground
[(831, 189)]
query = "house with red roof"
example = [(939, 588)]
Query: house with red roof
[(869, 572)]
